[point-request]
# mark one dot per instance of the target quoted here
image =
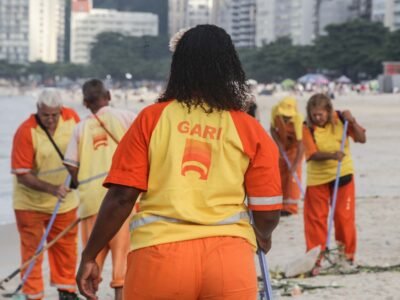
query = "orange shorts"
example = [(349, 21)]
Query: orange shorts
[(213, 268), (119, 247), (62, 256)]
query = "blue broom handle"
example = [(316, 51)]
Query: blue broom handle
[(294, 174), (336, 186), (46, 233), (264, 268)]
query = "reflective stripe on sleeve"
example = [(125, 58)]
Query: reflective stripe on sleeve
[(20, 171), (254, 201)]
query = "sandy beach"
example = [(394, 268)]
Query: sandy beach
[(377, 165)]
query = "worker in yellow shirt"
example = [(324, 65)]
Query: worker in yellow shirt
[(287, 131), (322, 139), (88, 158), (195, 156), (40, 177)]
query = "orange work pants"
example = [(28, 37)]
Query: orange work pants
[(290, 189), (62, 256), (214, 268), (119, 247), (316, 211)]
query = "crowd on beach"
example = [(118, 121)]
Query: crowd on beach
[(170, 191)]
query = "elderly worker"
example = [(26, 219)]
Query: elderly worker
[(39, 182)]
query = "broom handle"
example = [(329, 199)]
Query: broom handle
[(294, 174), (264, 269), (336, 187), (36, 255)]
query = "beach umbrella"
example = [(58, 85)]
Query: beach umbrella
[(343, 79), (288, 84), (313, 79)]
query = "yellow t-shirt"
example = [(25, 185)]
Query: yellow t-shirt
[(194, 169), (91, 150), (33, 152), (325, 139)]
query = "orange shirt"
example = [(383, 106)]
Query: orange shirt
[(33, 152), (195, 170), (326, 139)]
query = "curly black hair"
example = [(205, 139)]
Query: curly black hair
[(206, 71)]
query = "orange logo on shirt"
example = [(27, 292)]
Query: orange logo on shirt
[(99, 140), (196, 158)]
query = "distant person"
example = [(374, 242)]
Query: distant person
[(287, 131), (88, 158), (40, 177), (322, 139), (194, 156), (252, 107)]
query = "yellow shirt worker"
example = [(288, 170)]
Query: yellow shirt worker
[(287, 131), (322, 139), (40, 177), (88, 157), (195, 156)]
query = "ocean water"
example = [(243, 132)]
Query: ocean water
[(13, 111)]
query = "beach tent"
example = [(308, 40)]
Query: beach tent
[(288, 84), (313, 79), (343, 79)]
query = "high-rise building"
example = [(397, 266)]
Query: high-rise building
[(333, 12), (361, 9), (243, 23), (378, 10), (87, 23), (295, 19), (46, 30), (189, 13), (14, 30), (396, 12), (387, 12), (221, 14), (32, 30), (199, 12), (177, 15), (265, 22)]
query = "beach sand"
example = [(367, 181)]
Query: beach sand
[(377, 165)]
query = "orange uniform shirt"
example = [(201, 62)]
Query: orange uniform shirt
[(33, 152), (326, 139), (195, 170)]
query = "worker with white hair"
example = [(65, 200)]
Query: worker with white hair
[(38, 146)]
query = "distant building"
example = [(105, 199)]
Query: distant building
[(87, 23), (334, 12), (177, 15), (378, 10), (199, 12), (361, 9), (221, 14), (14, 31), (386, 12), (189, 13), (243, 30), (32, 30), (295, 19), (265, 22), (46, 30)]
